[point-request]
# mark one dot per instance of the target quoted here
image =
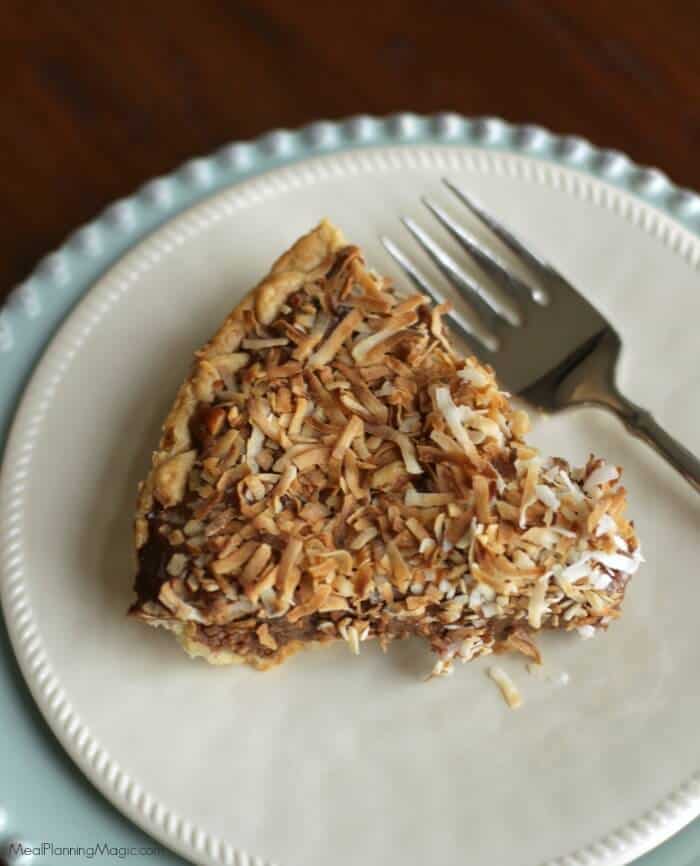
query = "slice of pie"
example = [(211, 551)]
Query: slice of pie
[(333, 469)]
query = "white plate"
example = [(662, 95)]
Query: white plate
[(330, 759)]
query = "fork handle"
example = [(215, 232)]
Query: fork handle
[(641, 424)]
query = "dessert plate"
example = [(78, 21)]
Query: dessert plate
[(333, 759)]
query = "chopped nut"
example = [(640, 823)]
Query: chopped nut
[(177, 564), (193, 527)]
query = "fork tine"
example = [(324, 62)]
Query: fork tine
[(491, 264), (505, 235), (470, 290), (456, 321)]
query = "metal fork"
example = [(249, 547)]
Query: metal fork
[(559, 351)]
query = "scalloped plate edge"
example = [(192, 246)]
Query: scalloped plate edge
[(35, 307)]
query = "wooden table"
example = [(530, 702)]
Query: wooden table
[(97, 96)]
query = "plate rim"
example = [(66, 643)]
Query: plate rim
[(63, 277)]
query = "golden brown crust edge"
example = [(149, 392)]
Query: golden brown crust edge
[(223, 657), (288, 273)]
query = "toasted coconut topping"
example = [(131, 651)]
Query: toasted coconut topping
[(537, 606), (286, 566), (604, 526), (177, 606), (425, 500), (520, 640), (305, 347), (547, 496), (475, 375), (266, 343), (482, 498), (406, 447), (256, 564), (366, 347), (352, 429), (452, 416), (265, 637), (333, 469), (286, 479), (254, 445), (317, 600), (529, 495), (602, 474), (400, 571), (508, 688), (328, 350), (309, 457), (234, 561)]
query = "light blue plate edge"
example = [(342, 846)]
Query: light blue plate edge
[(43, 798)]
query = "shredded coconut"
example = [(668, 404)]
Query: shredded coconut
[(602, 475), (508, 688), (605, 526), (547, 496)]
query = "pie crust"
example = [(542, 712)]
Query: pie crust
[(333, 469)]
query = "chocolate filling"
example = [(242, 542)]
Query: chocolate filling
[(243, 639), (153, 559)]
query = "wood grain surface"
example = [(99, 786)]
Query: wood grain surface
[(97, 96)]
